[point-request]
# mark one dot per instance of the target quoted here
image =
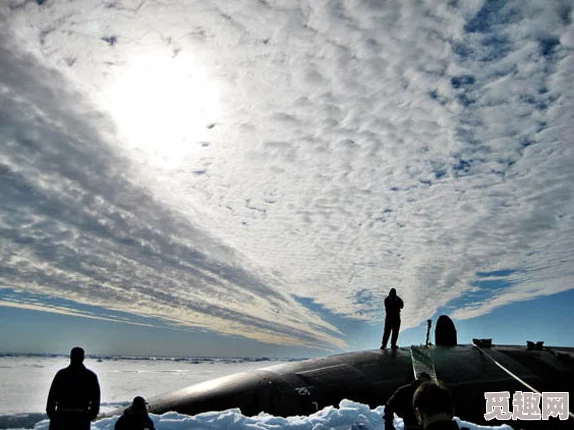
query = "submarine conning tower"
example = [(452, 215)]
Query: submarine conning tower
[(445, 332)]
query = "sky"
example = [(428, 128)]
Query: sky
[(252, 177)]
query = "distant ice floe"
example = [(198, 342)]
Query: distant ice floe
[(196, 360)]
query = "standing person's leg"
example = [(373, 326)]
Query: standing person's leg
[(395, 337), (386, 334)]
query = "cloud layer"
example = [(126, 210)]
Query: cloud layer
[(355, 146)]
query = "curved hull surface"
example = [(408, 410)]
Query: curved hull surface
[(370, 377)]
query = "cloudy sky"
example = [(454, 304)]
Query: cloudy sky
[(255, 175)]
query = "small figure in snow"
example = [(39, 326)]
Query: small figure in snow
[(135, 417)]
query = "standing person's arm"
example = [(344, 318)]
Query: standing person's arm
[(389, 414), (53, 396), (95, 399), (401, 304)]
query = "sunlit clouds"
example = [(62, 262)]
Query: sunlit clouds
[(164, 106), (210, 163)]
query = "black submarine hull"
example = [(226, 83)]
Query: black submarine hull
[(370, 377)]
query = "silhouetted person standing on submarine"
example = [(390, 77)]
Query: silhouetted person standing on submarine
[(74, 398), (393, 306)]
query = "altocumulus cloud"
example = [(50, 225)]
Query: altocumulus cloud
[(75, 226), (356, 146)]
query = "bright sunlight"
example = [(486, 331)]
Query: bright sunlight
[(164, 106)]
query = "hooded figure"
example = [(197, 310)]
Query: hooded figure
[(401, 403), (393, 306), (433, 407), (135, 417), (74, 397)]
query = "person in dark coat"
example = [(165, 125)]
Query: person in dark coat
[(433, 407), (393, 306), (401, 403), (135, 417), (74, 397)]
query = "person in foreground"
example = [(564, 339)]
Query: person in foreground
[(74, 397), (135, 417), (401, 403), (393, 306), (433, 407)]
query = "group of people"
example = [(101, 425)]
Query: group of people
[(74, 397), (74, 400)]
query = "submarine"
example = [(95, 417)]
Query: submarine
[(371, 377)]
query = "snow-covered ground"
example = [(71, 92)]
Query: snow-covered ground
[(25, 381)]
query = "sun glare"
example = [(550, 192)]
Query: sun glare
[(164, 106)]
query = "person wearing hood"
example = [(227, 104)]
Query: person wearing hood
[(401, 403), (433, 407), (74, 397), (135, 417), (393, 306)]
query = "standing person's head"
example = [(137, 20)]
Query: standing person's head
[(432, 403), (76, 355), (392, 293)]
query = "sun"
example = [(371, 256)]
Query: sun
[(164, 106)]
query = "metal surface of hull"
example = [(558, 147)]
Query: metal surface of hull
[(370, 377)]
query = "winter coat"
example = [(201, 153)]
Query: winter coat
[(393, 306), (74, 398), (401, 403), (133, 419)]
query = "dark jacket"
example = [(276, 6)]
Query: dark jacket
[(401, 403), (444, 425), (393, 306), (74, 398), (134, 419)]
